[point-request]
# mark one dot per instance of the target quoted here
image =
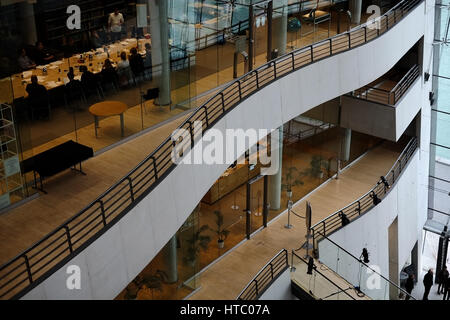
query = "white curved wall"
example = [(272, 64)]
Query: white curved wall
[(371, 230), (110, 263), (383, 121)]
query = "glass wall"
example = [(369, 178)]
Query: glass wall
[(172, 273), (132, 64), (234, 206), (439, 180)]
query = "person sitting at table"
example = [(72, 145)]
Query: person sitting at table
[(88, 81), (109, 74), (69, 48), (37, 98), (123, 63), (71, 72), (148, 61), (96, 41), (136, 63), (25, 63), (74, 89), (124, 70), (42, 55)]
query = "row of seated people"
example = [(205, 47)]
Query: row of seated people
[(38, 55), (32, 56), (128, 72)]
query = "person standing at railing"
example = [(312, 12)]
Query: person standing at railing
[(428, 283), (409, 285)]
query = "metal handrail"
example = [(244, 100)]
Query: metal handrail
[(237, 27), (265, 277), (396, 93), (368, 267), (363, 204), (35, 264), (321, 274)]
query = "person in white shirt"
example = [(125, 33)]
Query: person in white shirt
[(124, 70), (115, 22)]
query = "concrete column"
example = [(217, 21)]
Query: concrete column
[(159, 25), (170, 260), (279, 26), (355, 7), (275, 180), (28, 23), (346, 144)]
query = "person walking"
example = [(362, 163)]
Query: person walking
[(442, 279), (409, 285), (447, 289), (428, 283)]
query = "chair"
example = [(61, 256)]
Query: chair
[(151, 94), (91, 85), (109, 80), (74, 93), (316, 17), (125, 76)]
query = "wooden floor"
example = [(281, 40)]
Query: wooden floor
[(226, 278), (323, 283), (70, 192), (207, 75)]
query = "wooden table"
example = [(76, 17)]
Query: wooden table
[(108, 109), (13, 87)]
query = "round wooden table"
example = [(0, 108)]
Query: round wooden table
[(108, 109)]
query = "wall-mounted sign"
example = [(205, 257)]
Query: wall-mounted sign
[(141, 15)]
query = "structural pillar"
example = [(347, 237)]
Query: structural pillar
[(159, 24), (355, 7), (269, 30), (251, 37), (274, 188), (346, 144), (28, 23), (170, 260), (279, 27), (442, 253)]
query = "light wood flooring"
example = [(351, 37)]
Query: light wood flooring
[(226, 278)]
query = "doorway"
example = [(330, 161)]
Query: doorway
[(257, 208)]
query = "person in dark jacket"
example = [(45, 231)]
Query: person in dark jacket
[(88, 81), (37, 96), (136, 63), (447, 290), (428, 283), (109, 74), (409, 285), (148, 61), (442, 279), (42, 54)]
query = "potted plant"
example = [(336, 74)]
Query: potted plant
[(221, 232), (133, 288), (291, 179), (154, 282), (318, 164), (196, 243)]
